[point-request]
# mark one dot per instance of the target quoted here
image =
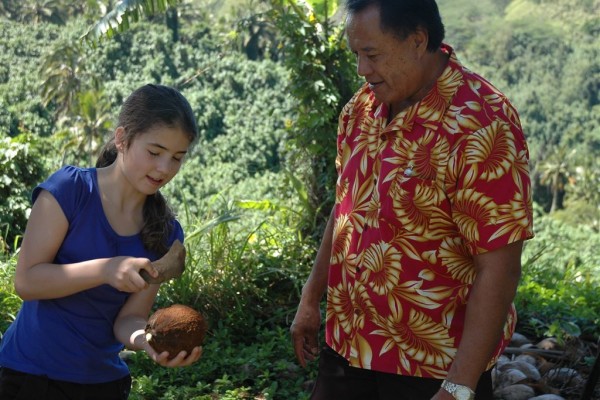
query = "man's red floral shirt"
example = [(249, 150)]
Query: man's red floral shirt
[(415, 199)]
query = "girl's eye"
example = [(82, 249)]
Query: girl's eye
[(153, 154)]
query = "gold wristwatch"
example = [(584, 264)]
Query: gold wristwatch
[(459, 392)]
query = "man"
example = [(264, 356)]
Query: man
[(421, 255)]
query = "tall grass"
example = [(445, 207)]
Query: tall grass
[(244, 266), (9, 301)]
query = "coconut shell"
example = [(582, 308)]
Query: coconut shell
[(169, 266), (176, 328)]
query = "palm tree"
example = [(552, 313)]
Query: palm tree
[(125, 12), (63, 71), (88, 122), (585, 186), (555, 172)]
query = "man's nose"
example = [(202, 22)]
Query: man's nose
[(363, 67)]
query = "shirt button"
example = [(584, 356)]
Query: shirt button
[(383, 137), (357, 311)]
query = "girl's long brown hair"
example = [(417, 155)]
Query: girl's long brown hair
[(146, 107)]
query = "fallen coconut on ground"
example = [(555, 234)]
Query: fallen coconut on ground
[(169, 266), (176, 328)]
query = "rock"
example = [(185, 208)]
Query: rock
[(176, 328), (503, 359), (528, 358), (514, 392), (546, 369), (509, 377), (563, 377), (549, 344), (530, 371), (528, 346), (518, 340)]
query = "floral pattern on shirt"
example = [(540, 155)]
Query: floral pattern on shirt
[(415, 199)]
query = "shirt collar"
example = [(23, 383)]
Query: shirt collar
[(430, 110)]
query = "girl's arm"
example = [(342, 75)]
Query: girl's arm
[(37, 277)]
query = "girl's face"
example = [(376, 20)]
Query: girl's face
[(153, 158)]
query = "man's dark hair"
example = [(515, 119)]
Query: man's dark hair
[(404, 17)]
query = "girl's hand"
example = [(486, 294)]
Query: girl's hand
[(181, 360), (123, 273)]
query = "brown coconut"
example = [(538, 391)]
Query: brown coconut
[(176, 328), (169, 266)]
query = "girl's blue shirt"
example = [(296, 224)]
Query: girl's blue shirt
[(71, 338)]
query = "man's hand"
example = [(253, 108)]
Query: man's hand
[(305, 332)]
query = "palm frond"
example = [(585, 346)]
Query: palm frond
[(120, 18)]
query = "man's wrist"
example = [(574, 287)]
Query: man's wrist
[(459, 392)]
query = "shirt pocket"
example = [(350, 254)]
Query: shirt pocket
[(418, 206)]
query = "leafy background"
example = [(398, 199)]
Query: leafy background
[(266, 80)]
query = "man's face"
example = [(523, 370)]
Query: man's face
[(392, 66)]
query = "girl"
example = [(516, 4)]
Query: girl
[(90, 233)]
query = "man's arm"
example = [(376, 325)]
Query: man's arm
[(498, 274), (306, 324)]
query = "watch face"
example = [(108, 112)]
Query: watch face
[(462, 393)]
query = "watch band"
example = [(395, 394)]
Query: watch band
[(459, 392)]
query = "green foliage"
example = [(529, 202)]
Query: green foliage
[(233, 266), (21, 169), (21, 107), (246, 280), (550, 69), (323, 80), (125, 13), (242, 113), (227, 370), (558, 292), (9, 301)]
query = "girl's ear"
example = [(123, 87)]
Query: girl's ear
[(120, 138)]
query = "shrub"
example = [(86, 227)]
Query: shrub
[(9, 301), (561, 275), (246, 265), (21, 169)]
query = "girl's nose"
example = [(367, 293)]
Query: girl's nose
[(163, 164)]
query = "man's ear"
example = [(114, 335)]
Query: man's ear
[(420, 40)]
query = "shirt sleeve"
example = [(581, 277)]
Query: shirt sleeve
[(69, 186), (492, 206), (177, 233)]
